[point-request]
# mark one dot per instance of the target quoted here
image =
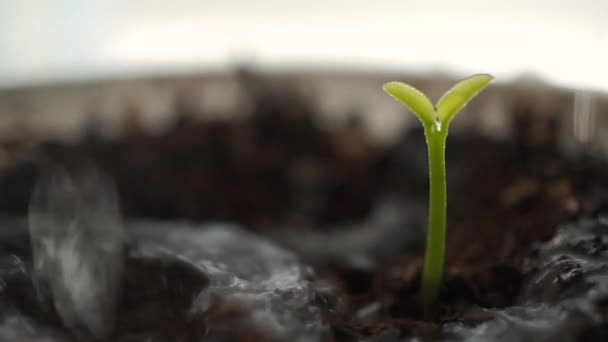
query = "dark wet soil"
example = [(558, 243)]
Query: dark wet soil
[(278, 168)]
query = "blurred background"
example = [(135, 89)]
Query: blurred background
[(565, 42), (200, 108), (270, 114)]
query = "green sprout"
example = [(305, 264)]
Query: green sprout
[(436, 122)]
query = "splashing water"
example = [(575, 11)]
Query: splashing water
[(77, 248)]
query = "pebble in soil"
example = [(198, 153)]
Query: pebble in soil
[(255, 287)]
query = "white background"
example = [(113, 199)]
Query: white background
[(564, 42)]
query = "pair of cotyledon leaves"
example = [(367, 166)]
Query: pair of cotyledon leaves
[(441, 114)]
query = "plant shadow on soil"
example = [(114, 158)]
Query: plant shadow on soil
[(274, 172)]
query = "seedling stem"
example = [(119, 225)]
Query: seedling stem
[(436, 121)]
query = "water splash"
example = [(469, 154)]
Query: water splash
[(77, 248), (584, 116)]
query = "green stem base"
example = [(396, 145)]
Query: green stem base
[(436, 234)]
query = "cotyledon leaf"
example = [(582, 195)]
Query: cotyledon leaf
[(414, 100), (456, 98)]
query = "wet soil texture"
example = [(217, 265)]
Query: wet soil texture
[(527, 228)]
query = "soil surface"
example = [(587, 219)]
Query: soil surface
[(277, 171)]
